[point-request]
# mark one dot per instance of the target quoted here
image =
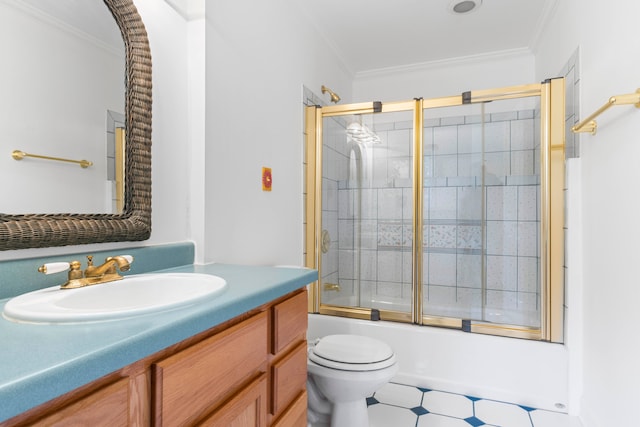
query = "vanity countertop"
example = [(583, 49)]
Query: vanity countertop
[(41, 362)]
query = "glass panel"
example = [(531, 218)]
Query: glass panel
[(481, 224), (512, 178), (367, 207), (452, 212)]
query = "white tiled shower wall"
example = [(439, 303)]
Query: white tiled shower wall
[(452, 233)]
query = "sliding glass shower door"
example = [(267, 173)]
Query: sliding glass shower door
[(439, 212), (481, 216), (367, 210)]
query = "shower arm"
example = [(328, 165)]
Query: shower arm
[(334, 96)]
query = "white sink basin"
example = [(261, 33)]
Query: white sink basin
[(132, 296)]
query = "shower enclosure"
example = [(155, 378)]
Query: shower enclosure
[(445, 212)]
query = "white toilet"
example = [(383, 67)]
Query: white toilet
[(343, 370)]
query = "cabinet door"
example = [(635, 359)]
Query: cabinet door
[(246, 409), (106, 407), (290, 320), (289, 378), (191, 383), (295, 415)]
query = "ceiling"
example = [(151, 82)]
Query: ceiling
[(378, 34), (375, 34), (88, 17)]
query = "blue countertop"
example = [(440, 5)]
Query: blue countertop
[(41, 362)]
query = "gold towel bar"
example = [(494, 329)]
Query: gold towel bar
[(19, 155), (590, 125)]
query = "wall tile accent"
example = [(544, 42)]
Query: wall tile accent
[(469, 237), (389, 234)]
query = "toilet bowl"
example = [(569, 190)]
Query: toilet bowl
[(343, 370)]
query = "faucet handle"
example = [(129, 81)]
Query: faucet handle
[(54, 267), (128, 258)]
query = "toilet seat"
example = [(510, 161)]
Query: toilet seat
[(351, 353)]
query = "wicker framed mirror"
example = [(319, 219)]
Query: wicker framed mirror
[(134, 223)]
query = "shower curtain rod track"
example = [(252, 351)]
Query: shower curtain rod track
[(590, 125)]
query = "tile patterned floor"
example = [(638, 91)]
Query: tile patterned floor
[(397, 405)]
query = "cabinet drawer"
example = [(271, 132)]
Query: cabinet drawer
[(246, 409), (190, 383), (106, 407), (290, 319), (295, 415), (289, 378)]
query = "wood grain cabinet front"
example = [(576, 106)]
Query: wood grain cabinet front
[(290, 320), (108, 407), (288, 366), (295, 415), (246, 409), (289, 378), (189, 384), (247, 372)]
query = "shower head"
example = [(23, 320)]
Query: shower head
[(360, 133), (334, 96)]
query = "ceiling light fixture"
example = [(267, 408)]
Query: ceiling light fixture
[(464, 6)]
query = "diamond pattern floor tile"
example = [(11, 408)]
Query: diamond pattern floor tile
[(387, 416), (492, 412), (543, 418), (435, 420), (398, 405), (454, 405), (399, 395)]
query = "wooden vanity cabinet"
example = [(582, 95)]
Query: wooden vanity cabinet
[(106, 407), (248, 372), (186, 385), (246, 408), (288, 357)]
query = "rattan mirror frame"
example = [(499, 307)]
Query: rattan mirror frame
[(134, 223)]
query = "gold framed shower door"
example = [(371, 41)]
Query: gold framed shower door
[(551, 94)]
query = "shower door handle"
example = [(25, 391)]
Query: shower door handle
[(325, 241)]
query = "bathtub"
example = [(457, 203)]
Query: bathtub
[(525, 372)]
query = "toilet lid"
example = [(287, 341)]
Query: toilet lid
[(352, 353)]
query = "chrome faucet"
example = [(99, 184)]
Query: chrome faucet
[(92, 275)]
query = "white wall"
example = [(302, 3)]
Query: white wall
[(170, 143), (258, 56), (605, 33), (196, 41), (58, 83), (255, 64), (446, 78), (167, 33)]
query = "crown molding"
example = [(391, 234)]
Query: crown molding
[(190, 10), (441, 63)]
